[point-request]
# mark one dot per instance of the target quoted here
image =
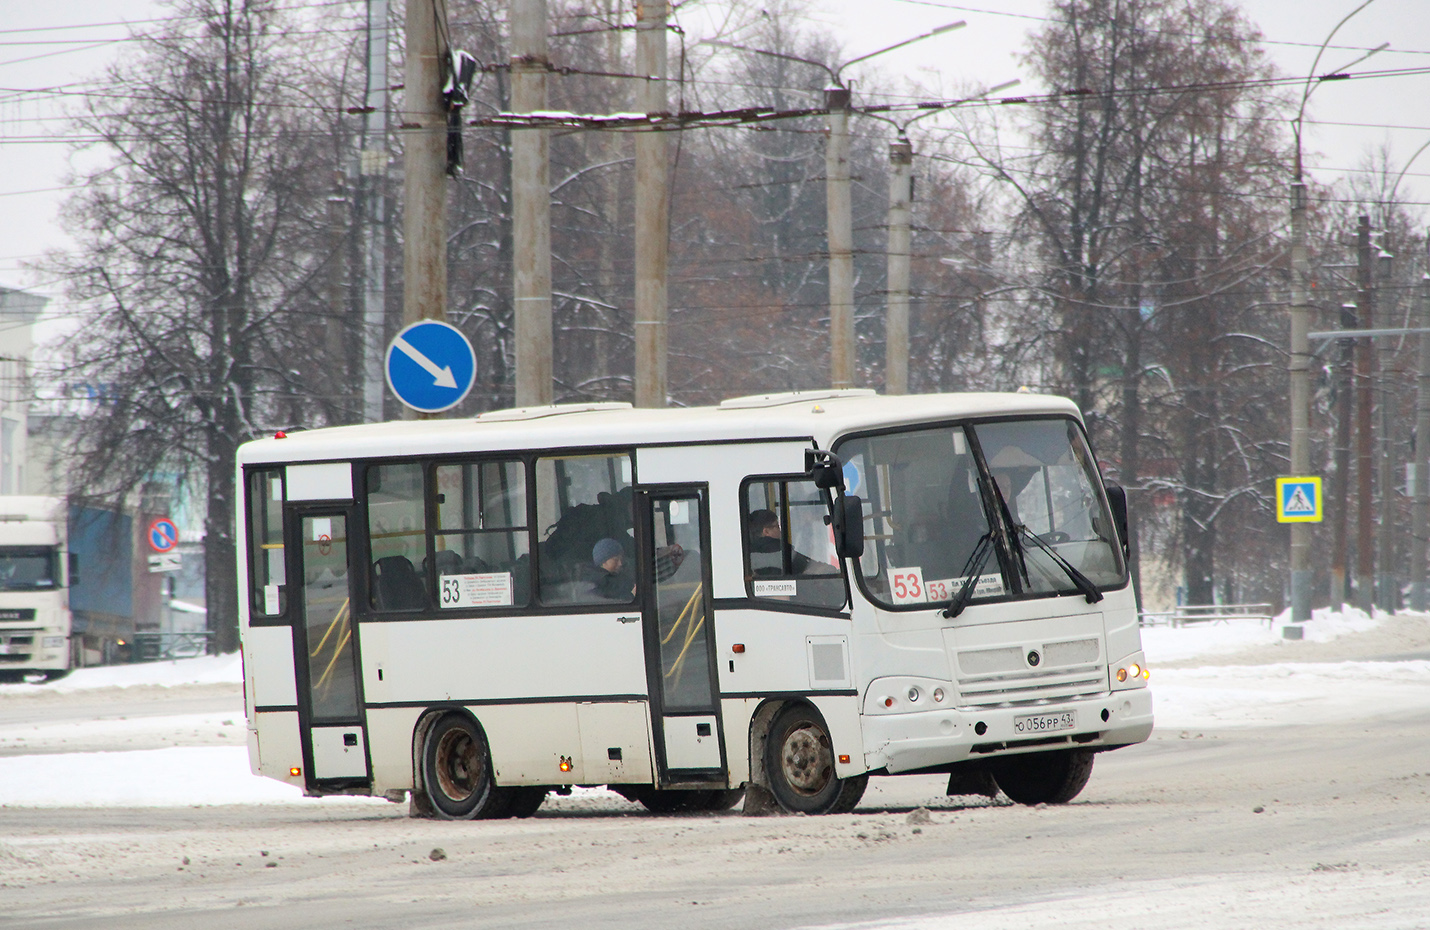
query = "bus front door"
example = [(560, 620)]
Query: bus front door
[(329, 706), (680, 637)]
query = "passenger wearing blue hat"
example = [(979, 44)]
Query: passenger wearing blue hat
[(612, 580)]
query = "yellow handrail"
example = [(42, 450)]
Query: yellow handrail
[(340, 617)]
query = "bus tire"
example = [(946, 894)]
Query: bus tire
[(457, 771), (799, 764), (1043, 777)]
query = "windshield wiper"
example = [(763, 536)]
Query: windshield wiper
[(972, 569), (1084, 584)]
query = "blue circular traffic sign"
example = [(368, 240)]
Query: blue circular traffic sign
[(430, 366), (163, 535)]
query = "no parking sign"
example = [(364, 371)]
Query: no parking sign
[(163, 535)]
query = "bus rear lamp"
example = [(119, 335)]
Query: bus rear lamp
[(738, 648), (295, 771), (914, 695), (938, 695), (1146, 673), (1135, 671), (843, 760), (565, 765), (888, 702), (1122, 674)]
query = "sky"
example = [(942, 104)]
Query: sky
[(48, 45)]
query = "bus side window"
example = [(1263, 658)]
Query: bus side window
[(397, 534), (789, 549), (581, 501), (482, 551), (267, 595)]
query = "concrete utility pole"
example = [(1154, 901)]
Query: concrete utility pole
[(335, 337), (1387, 590), (652, 210), (896, 326), (531, 207), (1420, 520), (1340, 500), (841, 239), (1301, 575), (424, 219), (1365, 371), (1300, 367), (372, 202)]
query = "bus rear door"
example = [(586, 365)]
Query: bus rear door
[(325, 646), (680, 636)]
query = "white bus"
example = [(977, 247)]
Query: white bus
[(35, 615), (785, 594)]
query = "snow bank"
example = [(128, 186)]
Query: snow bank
[(1287, 694), (1173, 644), (203, 670), (178, 777)]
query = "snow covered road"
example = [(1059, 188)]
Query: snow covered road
[(1287, 786)]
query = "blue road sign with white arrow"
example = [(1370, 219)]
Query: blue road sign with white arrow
[(430, 366)]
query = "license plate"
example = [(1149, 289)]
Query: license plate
[(1045, 723)]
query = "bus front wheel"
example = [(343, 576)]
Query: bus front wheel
[(799, 763), (1044, 777), (457, 771)]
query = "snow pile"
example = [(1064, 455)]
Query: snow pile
[(1173, 644), (203, 670), (1286, 694), (176, 777)]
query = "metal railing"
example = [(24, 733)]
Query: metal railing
[(153, 646), (1183, 614)]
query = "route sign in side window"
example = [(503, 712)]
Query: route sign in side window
[(267, 593), (789, 547), (397, 535), (483, 544), (585, 515)]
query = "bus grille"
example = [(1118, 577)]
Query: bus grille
[(1005, 676)]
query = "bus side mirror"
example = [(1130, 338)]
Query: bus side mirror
[(73, 570), (824, 469), (851, 532), (1117, 498)]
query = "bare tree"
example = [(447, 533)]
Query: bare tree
[(1149, 196), (203, 239)]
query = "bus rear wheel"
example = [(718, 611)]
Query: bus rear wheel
[(799, 763), (457, 771), (1044, 777)]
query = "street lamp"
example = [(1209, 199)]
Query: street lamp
[(840, 234), (1301, 574)]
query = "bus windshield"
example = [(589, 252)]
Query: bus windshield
[(27, 568), (931, 511)]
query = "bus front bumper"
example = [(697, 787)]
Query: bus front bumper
[(926, 739)]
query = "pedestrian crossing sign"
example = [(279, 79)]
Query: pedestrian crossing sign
[(1298, 500)]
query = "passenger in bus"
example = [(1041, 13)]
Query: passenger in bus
[(768, 550), (611, 578)]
